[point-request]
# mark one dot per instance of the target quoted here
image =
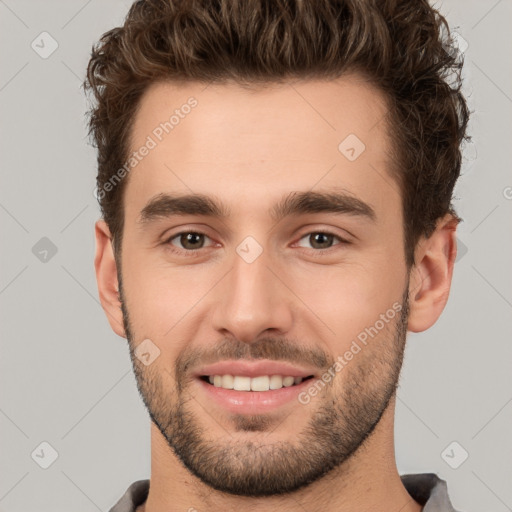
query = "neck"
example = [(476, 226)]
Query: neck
[(368, 481)]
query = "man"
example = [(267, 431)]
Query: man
[(275, 180)]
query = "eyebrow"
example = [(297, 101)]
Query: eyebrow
[(296, 203)]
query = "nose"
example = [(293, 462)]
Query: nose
[(253, 299)]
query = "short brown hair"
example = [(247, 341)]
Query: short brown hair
[(402, 46)]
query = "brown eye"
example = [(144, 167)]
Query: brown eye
[(321, 240), (188, 240), (192, 240)]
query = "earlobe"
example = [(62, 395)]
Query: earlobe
[(106, 278), (431, 276)]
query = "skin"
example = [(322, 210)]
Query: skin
[(249, 149)]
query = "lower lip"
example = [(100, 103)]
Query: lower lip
[(253, 402)]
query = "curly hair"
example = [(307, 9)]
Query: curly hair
[(403, 47)]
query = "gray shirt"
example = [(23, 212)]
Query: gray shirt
[(426, 488)]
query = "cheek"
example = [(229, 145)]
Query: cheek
[(349, 298), (158, 295)]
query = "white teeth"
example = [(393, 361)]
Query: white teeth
[(228, 381), (260, 383), (288, 381), (276, 382), (242, 383)]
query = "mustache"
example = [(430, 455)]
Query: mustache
[(274, 349)]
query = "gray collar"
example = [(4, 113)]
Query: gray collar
[(425, 488)]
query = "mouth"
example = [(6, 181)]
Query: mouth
[(260, 383), (252, 387)]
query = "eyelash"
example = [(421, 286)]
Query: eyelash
[(196, 252)]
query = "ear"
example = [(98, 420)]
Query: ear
[(431, 275), (106, 277)]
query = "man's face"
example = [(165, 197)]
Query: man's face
[(258, 294)]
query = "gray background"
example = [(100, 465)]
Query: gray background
[(66, 378)]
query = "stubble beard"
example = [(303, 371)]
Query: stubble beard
[(341, 420)]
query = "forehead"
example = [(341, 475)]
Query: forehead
[(227, 139), (304, 113)]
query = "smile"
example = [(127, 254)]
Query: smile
[(259, 383)]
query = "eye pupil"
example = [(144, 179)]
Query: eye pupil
[(325, 238), (190, 238)]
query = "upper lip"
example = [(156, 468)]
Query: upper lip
[(254, 369)]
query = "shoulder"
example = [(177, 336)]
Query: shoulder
[(428, 490)]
